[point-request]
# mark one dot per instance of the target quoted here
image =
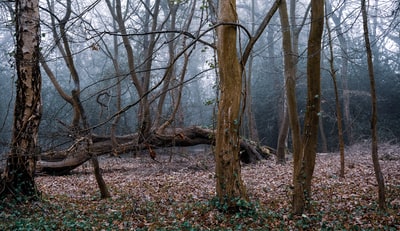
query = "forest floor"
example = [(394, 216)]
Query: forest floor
[(177, 193)]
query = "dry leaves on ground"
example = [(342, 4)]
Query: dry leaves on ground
[(177, 194)]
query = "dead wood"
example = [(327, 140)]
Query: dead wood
[(62, 162)]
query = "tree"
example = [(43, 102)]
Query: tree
[(343, 69), (290, 84), (290, 77), (374, 153), (229, 185), (141, 85), (337, 102), (305, 162), (59, 32), (290, 46), (250, 121), (18, 177)]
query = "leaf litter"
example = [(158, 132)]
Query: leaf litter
[(177, 193)]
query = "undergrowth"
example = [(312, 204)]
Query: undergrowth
[(126, 213)]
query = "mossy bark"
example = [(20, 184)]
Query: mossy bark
[(18, 177)]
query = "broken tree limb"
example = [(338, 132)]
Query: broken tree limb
[(61, 162)]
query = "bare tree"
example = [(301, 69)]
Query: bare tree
[(250, 121), (290, 84), (289, 119), (343, 69), (59, 31), (79, 128), (375, 159), (18, 177), (332, 72), (305, 162), (290, 78)]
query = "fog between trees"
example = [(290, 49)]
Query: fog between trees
[(91, 32)]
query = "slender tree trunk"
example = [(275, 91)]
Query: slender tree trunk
[(87, 134), (229, 186), (144, 122), (63, 45), (145, 119), (304, 159), (375, 159), (18, 178), (290, 76), (175, 92), (324, 140), (104, 193), (116, 120), (347, 121), (251, 121), (337, 102), (282, 137)]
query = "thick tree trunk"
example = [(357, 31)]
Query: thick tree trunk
[(62, 162), (18, 177), (230, 187)]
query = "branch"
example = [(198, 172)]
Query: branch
[(258, 33)]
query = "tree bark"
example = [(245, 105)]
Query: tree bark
[(63, 45), (337, 102), (290, 84), (290, 77), (144, 120), (343, 74), (324, 141), (229, 186), (62, 162), (18, 177), (375, 158), (311, 120), (104, 193)]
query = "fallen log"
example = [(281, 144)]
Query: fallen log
[(62, 162)]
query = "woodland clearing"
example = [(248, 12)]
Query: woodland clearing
[(177, 193)]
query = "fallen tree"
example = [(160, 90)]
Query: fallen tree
[(63, 161)]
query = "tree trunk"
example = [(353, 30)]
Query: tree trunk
[(304, 159), (144, 120), (18, 177), (230, 187), (343, 73), (311, 120), (324, 145), (62, 162), (118, 75), (104, 193), (282, 137), (63, 44), (149, 42), (337, 102), (290, 77), (250, 124), (375, 158)]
